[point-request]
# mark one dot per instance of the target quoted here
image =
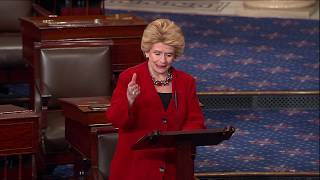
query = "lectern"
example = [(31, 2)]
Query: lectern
[(185, 143)]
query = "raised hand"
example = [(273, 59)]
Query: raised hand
[(133, 89)]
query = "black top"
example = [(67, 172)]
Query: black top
[(165, 98)]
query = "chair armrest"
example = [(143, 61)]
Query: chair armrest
[(95, 174), (40, 11), (41, 101), (42, 89), (42, 97)]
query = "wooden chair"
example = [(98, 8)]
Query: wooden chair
[(13, 69), (107, 142), (66, 69)]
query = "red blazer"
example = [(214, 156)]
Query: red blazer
[(145, 115)]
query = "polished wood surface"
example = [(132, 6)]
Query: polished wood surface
[(84, 118), (80, 109), (19, 137), (19, 132), (124, 30)]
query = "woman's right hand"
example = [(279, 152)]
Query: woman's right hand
[(133, 90)]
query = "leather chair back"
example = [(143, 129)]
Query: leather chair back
[(76, 71), (11, 51), (67, 69), (11, 11), (10, 37), (106, 147)]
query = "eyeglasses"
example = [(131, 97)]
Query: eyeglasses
[(159, 54)]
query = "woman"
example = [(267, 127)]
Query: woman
[(153, 96)]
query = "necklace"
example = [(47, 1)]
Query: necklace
[(163, 82)]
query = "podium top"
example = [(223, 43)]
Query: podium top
[(169, 139)]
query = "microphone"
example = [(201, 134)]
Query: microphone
[(175, 99)]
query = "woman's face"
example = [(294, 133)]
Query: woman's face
[(161, 57)]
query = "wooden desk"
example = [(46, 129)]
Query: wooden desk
[(124, 30), (19, 135), (82, 124)]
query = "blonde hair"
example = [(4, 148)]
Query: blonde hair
[(164, 31)]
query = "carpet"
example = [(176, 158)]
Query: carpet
[(274, 141), (225, 53), (169, 6)]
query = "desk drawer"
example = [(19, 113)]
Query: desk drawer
[(17, 137)]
